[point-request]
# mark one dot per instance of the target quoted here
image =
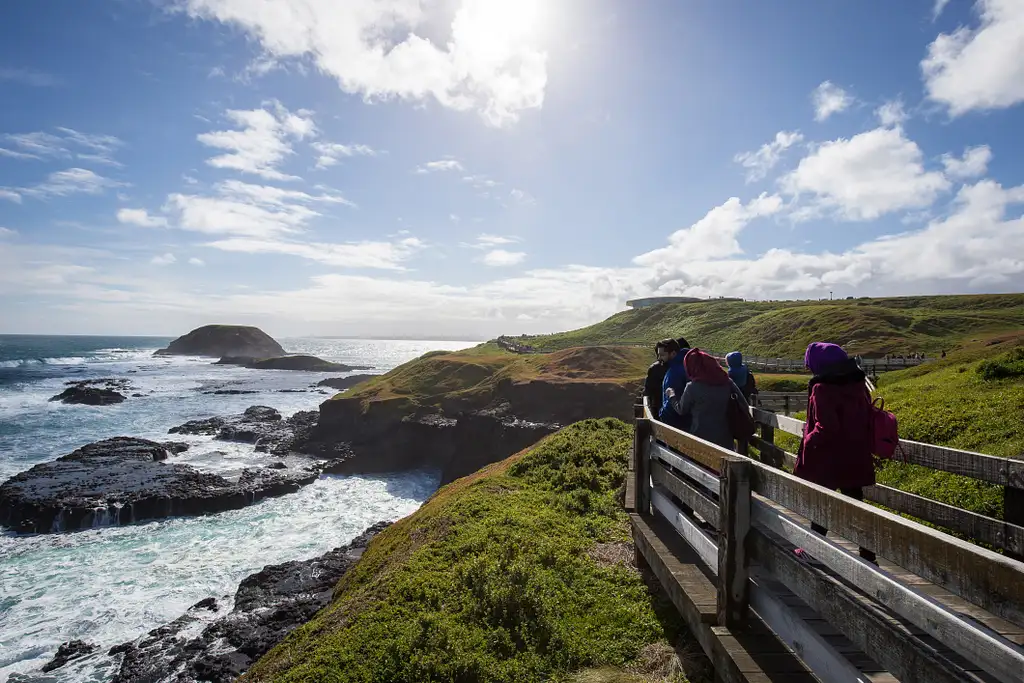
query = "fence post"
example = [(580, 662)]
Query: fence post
[(769, 456), (642, 465), (734, 511), (1013, 508), (786, 398)]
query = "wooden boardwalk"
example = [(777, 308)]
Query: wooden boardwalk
[(719, 532)]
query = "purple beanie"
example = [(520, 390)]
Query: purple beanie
[(821, 355)]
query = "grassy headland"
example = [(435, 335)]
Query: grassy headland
[(521, 572), (927, 324)]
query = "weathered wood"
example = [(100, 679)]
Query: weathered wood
[(981, 576), (641, 443), (734, 513), (1013, 509), (706, 548), (700, 475), (638, 410), (773, 455), (790, 425), (703, 452), (995, 532), (892, 645), (976, 643), (681, 489), (820, 657)]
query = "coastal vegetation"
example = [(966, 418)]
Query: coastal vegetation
[(520, 572)]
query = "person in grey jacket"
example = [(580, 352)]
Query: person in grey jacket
[(705, 400)]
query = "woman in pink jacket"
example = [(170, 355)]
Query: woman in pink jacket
[(836, 448)]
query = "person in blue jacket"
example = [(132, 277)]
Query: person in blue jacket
[(675, 378)]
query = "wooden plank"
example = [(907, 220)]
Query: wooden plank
[(820, 657), (682, 490), (892, 646), (703, 452), (706, 548), (641, 442), (977, 644), (790, 425), (691, 470), (776, 457), (995, 532), (734, 512), (981, 576)]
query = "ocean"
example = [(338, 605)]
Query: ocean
[(110, 585)]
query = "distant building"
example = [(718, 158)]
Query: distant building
[(657, 300)]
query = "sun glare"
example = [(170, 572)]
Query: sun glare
[(502, 23)]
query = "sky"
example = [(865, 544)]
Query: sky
[(468, 168)]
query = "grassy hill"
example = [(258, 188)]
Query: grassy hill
[(521, 572), (927, 324)]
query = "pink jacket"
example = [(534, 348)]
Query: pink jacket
[(836, 448)]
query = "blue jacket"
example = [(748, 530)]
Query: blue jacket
[(675, 377)]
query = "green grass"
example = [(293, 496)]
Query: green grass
[(784, 328), (496, 578)]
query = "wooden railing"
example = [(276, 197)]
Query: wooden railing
[(1007, 534), (872, 366), (718, 530), (785, 402)]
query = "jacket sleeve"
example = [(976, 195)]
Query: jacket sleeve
[(735, 390), (827, 424), (684, 404)]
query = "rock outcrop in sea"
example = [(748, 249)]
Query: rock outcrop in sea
[(292, 362), (209, 643), (125, 480), (342, 383), (94, 392), (224, 340)]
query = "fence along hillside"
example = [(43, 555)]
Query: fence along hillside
[(718, 531)]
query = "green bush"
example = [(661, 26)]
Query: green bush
[(1006, 366)]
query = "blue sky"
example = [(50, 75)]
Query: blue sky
[(475, 167)]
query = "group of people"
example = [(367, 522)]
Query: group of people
[(689, 389)]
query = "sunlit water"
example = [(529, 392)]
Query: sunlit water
[(110, 585)]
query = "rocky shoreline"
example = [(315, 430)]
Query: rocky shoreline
[(218, 640)]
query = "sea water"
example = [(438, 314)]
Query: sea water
[(110, 585)]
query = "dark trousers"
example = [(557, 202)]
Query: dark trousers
[(856, 493)]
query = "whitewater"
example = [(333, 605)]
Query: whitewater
[(110, 585)]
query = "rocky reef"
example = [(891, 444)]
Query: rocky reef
[(125, 480), (210, 643), (293, 362), (94, 392), (224, 340), (342, 383)]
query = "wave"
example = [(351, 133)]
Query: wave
[(99, 356)]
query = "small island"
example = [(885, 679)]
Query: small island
[(224, 340), (292, 362)]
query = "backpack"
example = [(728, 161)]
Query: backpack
[(741, 424), (750, 388), (885, 437)]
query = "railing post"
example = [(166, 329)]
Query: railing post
[(734, 511), (1013, 509), (642, 465), (786, 398), (769, 456)]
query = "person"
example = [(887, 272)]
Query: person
[(655, 379), (835, 451), (705, 400), (675, 379), (741, 375)]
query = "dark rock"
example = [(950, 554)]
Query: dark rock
[(123, 480), (175, 447), (90, 396), (236, 360), (224, 340), (267, 606), (278, 466), (74, 649), (302, 363), (231, 392), (259, 425), (342, 383), (206, 603), (206, 427), (137, 395)]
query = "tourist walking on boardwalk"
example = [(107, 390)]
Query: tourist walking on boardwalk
[(655, 379), (836, 448), (674, 382), (705, 400), (741, 375)]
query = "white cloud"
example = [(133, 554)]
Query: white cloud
[(980, 68), (140, 217), (487, 241), (829, 99), (262, 142), (522, 196), (715, 235), (40, 144), (71, 181), (7, 232), (938, 8), (891, 114), (10, 195), (367, 254), (440, 165), (865, 177), (196, 262), (331, 153), (767, 156), (454, 217), (490, 62), (973, 163), (500, 257), (31, 77), (164, 260), (14, 154)]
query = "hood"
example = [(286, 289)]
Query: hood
[(821, 355), (734, 359)]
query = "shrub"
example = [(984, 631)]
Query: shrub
[(1006, 366)]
